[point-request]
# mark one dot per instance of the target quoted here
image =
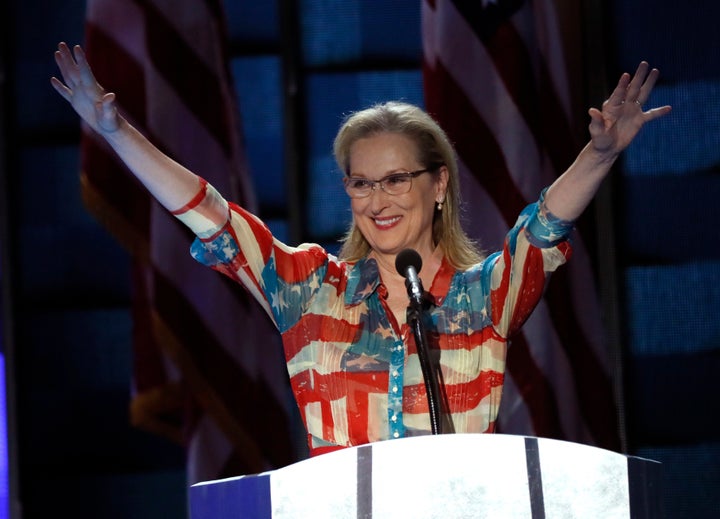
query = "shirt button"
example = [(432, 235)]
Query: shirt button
[(396, 434), (394, 418), (395, 373), (395, 389)]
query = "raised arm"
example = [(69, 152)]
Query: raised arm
[(612, 129), (169, 182)]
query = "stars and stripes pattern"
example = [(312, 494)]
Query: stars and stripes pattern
[(496, 81), (355, 373), (208, 364)]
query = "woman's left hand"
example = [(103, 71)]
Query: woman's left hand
[(614, 127)]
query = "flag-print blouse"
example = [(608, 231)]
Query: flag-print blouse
[(356, 376)]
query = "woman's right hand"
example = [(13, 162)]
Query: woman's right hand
[(80, 88)]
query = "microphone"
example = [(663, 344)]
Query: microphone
[(408, 264)]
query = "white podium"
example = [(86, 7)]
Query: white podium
[(445, 476)]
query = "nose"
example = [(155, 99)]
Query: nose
[(378, 198)]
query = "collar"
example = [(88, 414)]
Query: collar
[(363, 278)]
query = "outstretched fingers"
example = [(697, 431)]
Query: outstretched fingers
[(632, 94), (75, 70), (66, 64), (86, 75), (617, 97), (642, 86), (657, 112), (614, 127), (635, 88), (68, 70), (61, 89)]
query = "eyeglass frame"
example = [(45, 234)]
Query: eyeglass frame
[(374, 183)]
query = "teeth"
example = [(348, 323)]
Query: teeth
[(386, 222)]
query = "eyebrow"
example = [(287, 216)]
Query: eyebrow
[(400, 171)]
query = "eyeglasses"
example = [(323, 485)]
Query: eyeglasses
[(395, 184)]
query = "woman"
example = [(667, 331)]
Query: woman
[(352, 361)]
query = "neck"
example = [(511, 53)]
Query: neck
[(431, 260)]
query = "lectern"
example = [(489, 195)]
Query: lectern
[(444, 476)]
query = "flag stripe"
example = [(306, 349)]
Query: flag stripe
[(473, 140), (595, 387), (480, 151), (488, 82), (243, 399), (110, 180), (512, 60), (527, 80), (191, 79), (201, 345)]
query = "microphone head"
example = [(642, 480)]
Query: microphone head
[(408, 258)]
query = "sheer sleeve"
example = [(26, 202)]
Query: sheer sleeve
[(235, 242), (516, 276)]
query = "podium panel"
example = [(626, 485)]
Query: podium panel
[(450, 476)]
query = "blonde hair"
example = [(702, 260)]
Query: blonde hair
[(434, 151)]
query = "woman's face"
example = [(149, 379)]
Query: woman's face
[(391, 223)]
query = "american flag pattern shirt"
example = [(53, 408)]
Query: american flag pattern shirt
[(355, 374)]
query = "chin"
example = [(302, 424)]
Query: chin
[(390, 249)]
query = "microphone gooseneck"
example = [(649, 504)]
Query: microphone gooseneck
[(408, 264)]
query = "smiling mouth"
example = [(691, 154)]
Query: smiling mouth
[(386, 223)]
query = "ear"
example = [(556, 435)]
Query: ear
[(441, 185)]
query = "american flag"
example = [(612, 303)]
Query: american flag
[(496, 79), (209, 370)]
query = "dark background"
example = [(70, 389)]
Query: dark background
[(66, 281)]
